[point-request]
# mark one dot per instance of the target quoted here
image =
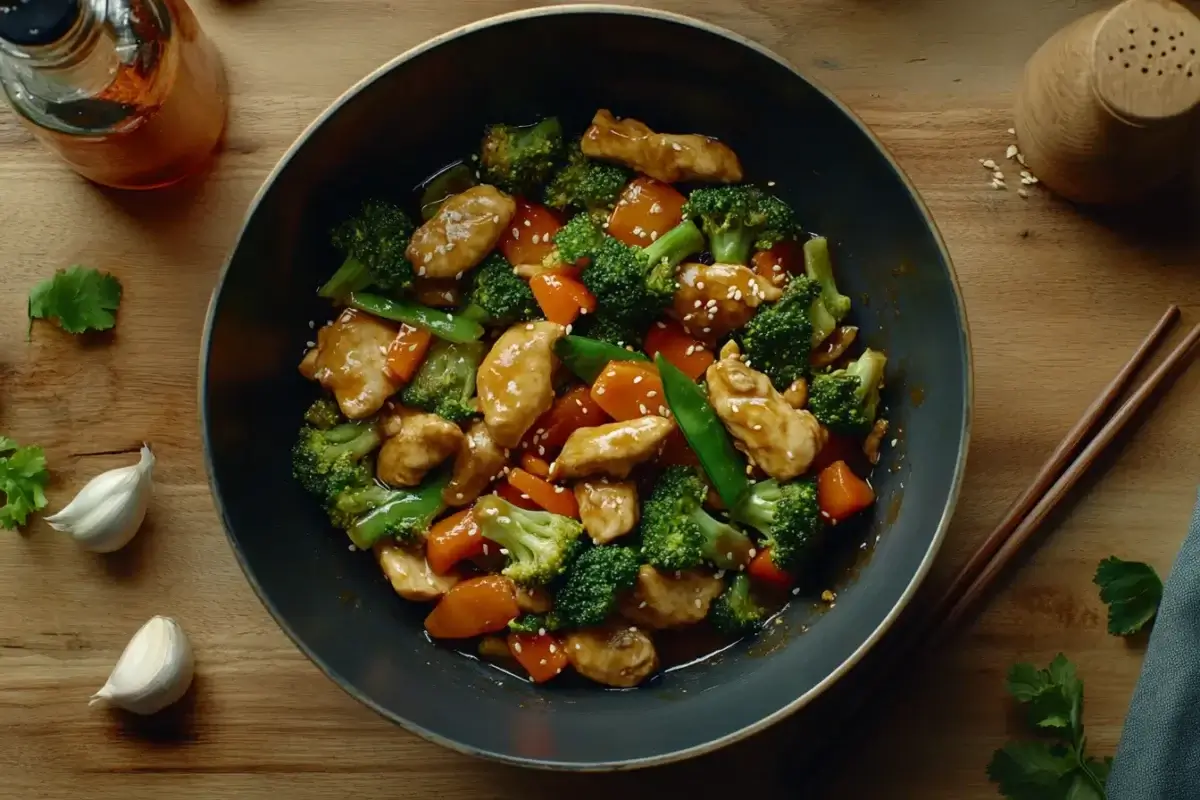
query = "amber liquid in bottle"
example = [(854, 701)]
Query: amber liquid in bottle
[(146, 104)]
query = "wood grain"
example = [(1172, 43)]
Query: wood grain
[(1057, 300)]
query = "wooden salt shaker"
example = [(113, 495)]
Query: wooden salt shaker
[(1104, 112)]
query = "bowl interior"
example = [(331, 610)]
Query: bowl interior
[(429, 109)]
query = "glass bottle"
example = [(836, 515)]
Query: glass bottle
[(129, 92)]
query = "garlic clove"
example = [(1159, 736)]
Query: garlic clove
[(154, 671), (110, 508)]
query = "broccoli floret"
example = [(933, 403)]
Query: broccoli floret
[(370, 512), (539, 544), (736, 219), (609, 327), (632, 285), (578, 239), (586, 185), (847, 400), (589, 593), (735, 611), (818, 266), (779, 339), (520, 159), (788, 517), (445, 382), (325, 461), (536, 623), (677, 533), (373, 243), (499, 296), (324, 414)]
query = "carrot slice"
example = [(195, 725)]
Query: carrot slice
[(842, 494), (451, 540), (647, 209), (530, 236), (407, 351), (474, 607), (541, 654), (629, 389), (555, 499), (561, 296), (535, 465), (515, 496), (783, 260), (762, 568), (574, 410), (679, 347)]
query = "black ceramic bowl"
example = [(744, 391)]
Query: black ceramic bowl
[(426, 108)]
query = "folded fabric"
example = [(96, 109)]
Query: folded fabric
[(1159, 754)]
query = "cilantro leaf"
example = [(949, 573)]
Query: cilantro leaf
[(1054, 695), (77, 298), (1132, 590), (1032, 771), (23, 478)]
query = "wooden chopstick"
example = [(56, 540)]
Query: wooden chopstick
[(1049, 472), (1029, 523)]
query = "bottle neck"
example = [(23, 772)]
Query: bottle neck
[(79, 65)]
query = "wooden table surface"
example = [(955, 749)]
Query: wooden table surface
[(1057, 299)]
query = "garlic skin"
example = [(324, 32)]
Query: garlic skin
[(108, 511), (154, 671)]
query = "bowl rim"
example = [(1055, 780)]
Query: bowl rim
[(869, 642)]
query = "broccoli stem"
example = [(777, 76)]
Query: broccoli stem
[(731, 245), (869, 370), (759, 505), (724, 545), (351, 276), (676, 244), (819, 267)]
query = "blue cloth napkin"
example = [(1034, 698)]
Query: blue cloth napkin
[(1159, 754)]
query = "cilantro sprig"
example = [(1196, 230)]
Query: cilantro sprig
[(78, 298), (1132, 591), (23, 478), (1059, 769)]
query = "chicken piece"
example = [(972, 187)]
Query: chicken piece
[(515, 380), (796, 395), (669, 157), (714, 299), (421, 442), (608, 510), (670, 600), (781, 440), (464, 230), (410, 574), (534, 600), (479, 459), (613, 449), (308, 364), (614, 655), (730, 349), (351, 362)]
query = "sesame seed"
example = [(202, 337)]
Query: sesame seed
[(503, 550), (558, 490), (527, 223), (1022, 193), (637, 379), (516, 233), (700, 285), (529, 326), (536, 238), (583, 312), (789, 454), (314, 344), (666, 412), (697, 304), (599, 390), (651, 393), (998, 175), (485, 548), (989, 164), (541, 450), (770, 183), (421, 270), (311, 324), (541, 631), (676, 146), (758, 427), (653, 235), (690, 350), (893, 442), (1020, 159), (553, 648), (353, 549), (1012, 131), (642, 408), (752, 552), (428, 258), (655, 208), (998, 184), (568, 328), (697, 602), (584, 410), (495, 218), (516, 646), (1011, 152), (825, 514), (706, 330), (642, 604), (610, 374)]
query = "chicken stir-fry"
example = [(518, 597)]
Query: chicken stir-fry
[(671, 599), (410, 574), (577, 408), (671, 158), (608, 510), (419, 443), (514, 380), (715, 299), (616, 655), (464, 230), (351, 362), (613, 449), (478, 461), (782, 440)]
